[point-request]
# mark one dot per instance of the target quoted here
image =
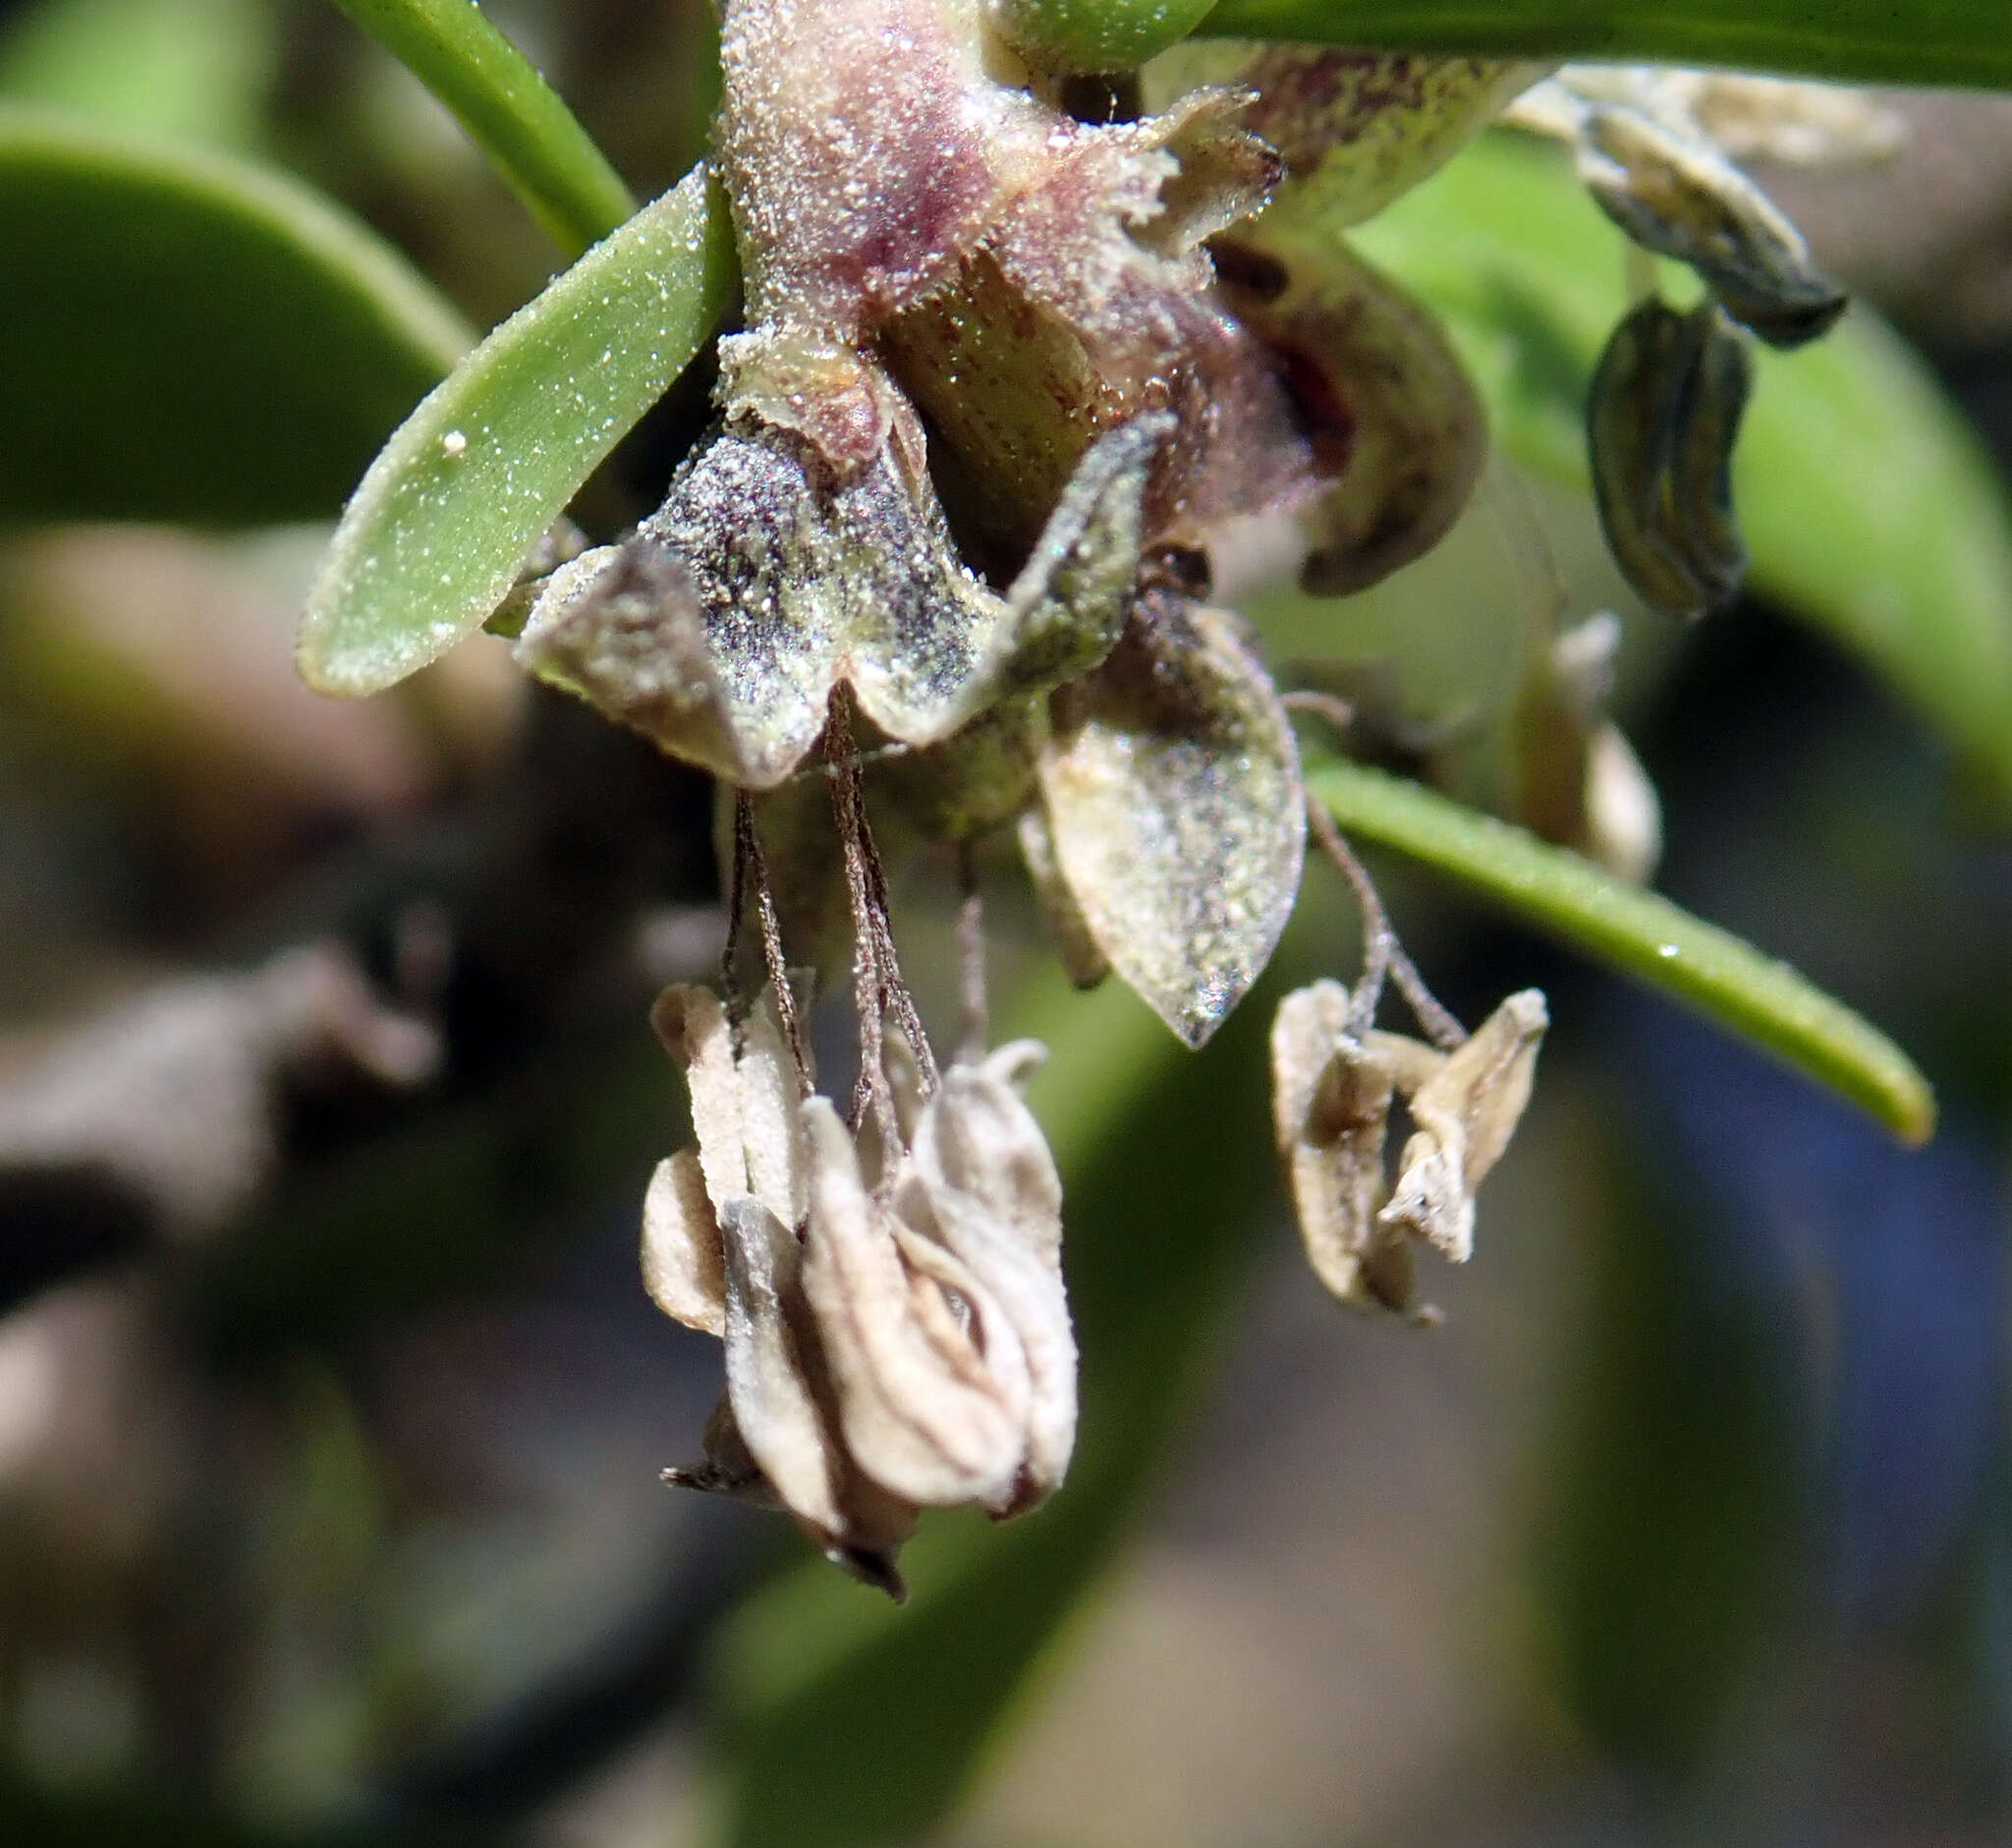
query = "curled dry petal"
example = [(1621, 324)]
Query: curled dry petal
[(1356, 128), (1747, 117), (1465, 1113), (1331, 1100), (1663, 416), (1173, 797), (918, 1411), (682, 1266), (985, 1184), (1395, 421)]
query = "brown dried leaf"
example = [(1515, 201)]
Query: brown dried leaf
[(1173, 798)]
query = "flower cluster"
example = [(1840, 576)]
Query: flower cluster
[(1014, 384)]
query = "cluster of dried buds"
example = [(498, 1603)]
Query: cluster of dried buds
[(1016, 380), (889, 1298)]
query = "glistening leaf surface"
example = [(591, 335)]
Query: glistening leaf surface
[(1868, 504), (441, 524), (510, 112), (189, 337), (1877, 41), (1713, 971)]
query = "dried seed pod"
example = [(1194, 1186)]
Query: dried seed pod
[(1663, 416), (1173, 798), (1465, 1111)]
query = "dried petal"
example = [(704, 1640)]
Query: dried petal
[(984, 1185), (683, 1267), (1394, 415), (693, 1029), (1576, 782), (915, 1416), (1356, 128), (1173, 797), (1663, 416), (1623, 815), (767, 1383), (1465, 1113), (1745, 117), (744, 1104), (1330, 1103)]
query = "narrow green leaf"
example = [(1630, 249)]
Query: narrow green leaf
[(850, 1724), (1868, 505), (1713, 971), (190, 336), (1875, 41), (440, 526), (510, 112), (1097, 34)]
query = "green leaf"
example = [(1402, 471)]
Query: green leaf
[(442, 524), (1097, 34), (1875, 41), (198, 69), (190, 336), (852, 1724), (510, 112), (1868, 503), (1638, 931)]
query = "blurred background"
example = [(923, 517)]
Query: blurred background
[(331, 1409)]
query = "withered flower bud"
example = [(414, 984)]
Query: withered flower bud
[(1662, 420), (1334, 1083)]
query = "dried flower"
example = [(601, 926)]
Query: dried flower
[(896, 1330), (1334, 1079)]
